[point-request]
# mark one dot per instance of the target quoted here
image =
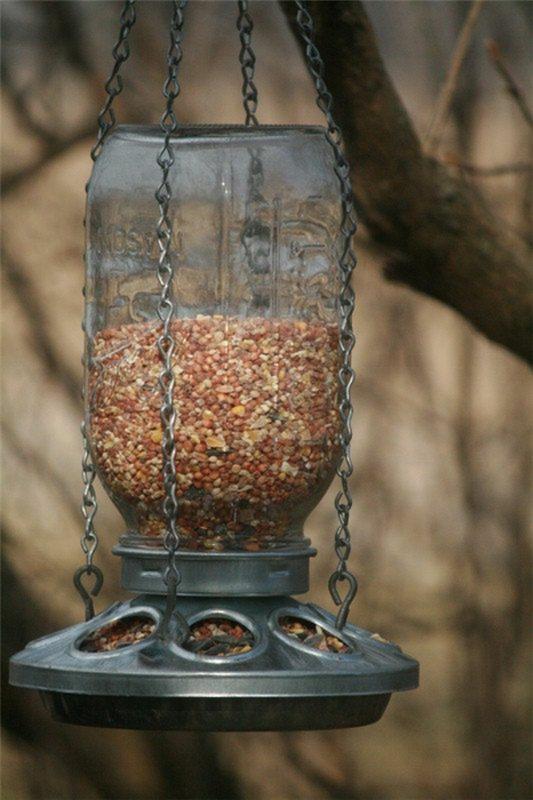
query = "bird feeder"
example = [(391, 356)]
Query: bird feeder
[(217, 414)]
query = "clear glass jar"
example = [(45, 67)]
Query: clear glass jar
[(255, 224)]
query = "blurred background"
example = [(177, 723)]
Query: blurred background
[(442, 422)]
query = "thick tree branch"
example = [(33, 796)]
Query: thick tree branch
[(446, 243)]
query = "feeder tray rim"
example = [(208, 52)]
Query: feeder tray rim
[(77, 680), (234, 696), (284, 689)]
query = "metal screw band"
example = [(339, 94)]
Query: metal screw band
[(347, 263)]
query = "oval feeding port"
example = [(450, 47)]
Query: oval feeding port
[(121, 633), (312, 635), (220, 637)]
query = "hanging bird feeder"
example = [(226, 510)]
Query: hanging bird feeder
[(217, 414)]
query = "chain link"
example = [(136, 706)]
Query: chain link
[(245, 27), (254, 198), (166, 343), (89, 507), (113, 85), (347, 263)]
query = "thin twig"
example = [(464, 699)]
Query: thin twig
[(514, 90), (496, 57), (449, 87)]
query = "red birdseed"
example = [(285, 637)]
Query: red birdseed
[(257, 426), (122, 633), (312, 635), (219, 637)]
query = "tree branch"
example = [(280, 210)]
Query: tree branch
[(511, 85), (445, 99), (445, 241), (520, 168)]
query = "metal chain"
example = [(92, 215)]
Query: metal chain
[(245, 27), (165, 342), (347, 263), (113, 85), (254, 198), (89, 507)]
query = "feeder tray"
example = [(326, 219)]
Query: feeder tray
[(280, 684)]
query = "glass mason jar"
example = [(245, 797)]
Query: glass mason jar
[(255, 215)]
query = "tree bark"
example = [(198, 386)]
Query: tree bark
[(442, 238)]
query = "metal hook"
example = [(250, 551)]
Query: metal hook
[(345, 604), (164, 633), (172, 588), (88, 569)]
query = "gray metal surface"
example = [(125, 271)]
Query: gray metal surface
[(269, 573), (279, 684), (214, 713)]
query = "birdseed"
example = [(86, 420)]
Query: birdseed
[(219, 637), (257, 426), (312, 635), (122, 633)]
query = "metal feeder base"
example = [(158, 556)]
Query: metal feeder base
[(216, 713), (281, 684)]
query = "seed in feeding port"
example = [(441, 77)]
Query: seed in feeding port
[(219, 637), (121, 633), (312, 635)]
